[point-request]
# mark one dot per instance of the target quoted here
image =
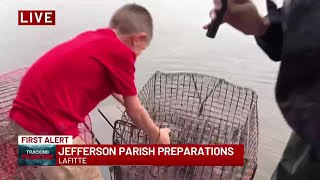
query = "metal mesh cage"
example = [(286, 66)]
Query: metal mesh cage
[(198, 109), (9, 84)]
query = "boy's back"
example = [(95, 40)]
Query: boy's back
[(66, 83)]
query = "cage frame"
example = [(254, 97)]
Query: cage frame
[(252, 114)]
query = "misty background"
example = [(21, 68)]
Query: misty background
[(179, 44)]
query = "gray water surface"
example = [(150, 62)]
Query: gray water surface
[(179, 45)]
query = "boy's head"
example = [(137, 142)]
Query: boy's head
[(133, 25)]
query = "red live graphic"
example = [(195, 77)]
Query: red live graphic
[(36, 17)]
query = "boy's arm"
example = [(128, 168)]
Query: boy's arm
[(141, 118), (121, 68), (118, 97)]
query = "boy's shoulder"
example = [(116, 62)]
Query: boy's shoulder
[(105, 41)]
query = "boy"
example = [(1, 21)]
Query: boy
[(67, 82)]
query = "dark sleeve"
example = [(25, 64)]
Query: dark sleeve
[(271, 42)]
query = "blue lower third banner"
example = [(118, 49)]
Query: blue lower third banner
[(36, 155)]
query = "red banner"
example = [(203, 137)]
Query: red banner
[(154, 155)]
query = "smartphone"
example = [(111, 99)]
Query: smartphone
[(215, 24)]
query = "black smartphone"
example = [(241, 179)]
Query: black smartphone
[(215, 24)]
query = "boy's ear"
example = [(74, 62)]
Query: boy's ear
[(141, 37)]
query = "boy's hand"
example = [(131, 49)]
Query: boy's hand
[(242, 15), (141, 118), (162, 137)]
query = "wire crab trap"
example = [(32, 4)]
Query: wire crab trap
[(9, 84), (198, 109)]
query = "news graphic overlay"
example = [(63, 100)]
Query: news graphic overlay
[(36, 17), (154, 155), (39, 150)]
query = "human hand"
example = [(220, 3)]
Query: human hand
[(141, 118), (162, 137), (242, 15)]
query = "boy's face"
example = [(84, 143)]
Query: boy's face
[(139, 42)]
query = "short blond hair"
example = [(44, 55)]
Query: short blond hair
[(132, 18)]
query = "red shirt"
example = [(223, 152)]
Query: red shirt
[(66, 83)]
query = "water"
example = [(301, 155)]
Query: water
[(179, 45)]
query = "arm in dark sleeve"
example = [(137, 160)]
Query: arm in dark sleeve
[(271, 42)]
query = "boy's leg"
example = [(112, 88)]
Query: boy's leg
[(72, 172), (65, 172)]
